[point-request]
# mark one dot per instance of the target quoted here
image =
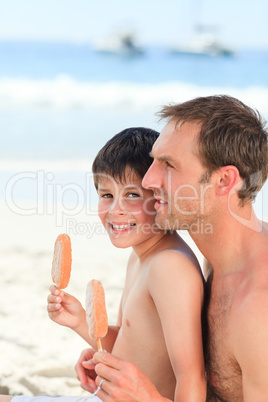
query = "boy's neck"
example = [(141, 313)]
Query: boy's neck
[(144, 249)]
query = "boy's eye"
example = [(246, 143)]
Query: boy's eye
[(133, 195), (107, 195)]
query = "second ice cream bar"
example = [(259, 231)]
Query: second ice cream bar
[(96, 311)]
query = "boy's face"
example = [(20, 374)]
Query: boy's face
[(126, 210)]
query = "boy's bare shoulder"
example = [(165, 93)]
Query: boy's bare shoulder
[(175, 260), (174, 272), (175, 251)]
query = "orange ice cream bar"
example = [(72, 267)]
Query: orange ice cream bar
[(62, 261), (96, 311)]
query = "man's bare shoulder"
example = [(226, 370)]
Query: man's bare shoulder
[(260, 244), (264, 227)]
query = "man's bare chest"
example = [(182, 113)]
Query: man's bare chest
[(224, 374)]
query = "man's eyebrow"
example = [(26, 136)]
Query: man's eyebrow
[(163, 158)]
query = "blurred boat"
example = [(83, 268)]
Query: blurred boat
[(120, 45), (203, 45)]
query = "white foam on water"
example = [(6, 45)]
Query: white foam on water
[(65, 92)]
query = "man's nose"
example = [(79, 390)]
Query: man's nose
[(151, 180)]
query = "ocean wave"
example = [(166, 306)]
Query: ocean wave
[(65, 92), (49, 165)]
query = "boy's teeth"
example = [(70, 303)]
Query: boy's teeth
[(121, 227), (162, 202)]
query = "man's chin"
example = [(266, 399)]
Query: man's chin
[(166, 223)]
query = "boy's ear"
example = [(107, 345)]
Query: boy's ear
[(228, 180)]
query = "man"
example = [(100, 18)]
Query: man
[(210, 161)]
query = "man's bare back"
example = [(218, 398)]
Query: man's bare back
[(141, 339), (228, 298)]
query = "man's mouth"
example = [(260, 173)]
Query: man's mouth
[(159, 203)]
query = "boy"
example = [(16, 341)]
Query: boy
[(159, 319)]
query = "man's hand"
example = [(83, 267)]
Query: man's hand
[(123, 381), (85, 370)]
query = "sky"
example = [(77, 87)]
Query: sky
[(240, 23)]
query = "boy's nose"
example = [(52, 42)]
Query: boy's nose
[(117, 208), (151, 180)]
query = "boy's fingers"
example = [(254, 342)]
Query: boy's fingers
[(86, 382), (51, 307), (88, 364), (90, 387), (54, 299), (54, 290)]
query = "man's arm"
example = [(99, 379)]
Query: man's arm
[(249, 338)]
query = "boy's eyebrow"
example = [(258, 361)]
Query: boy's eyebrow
[(103, 189), (127, 186), (132, 187)]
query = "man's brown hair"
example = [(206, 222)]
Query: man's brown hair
[(231, 133)]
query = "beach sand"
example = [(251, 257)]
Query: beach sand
[(37, 355)]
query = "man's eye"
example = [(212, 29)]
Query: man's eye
[(169, 165)]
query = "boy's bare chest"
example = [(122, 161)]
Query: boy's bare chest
[(224, 374), (138, 309), (141, 339)]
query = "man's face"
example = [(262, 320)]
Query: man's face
[(178, 178)]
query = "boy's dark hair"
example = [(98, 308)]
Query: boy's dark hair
[(131, 147), (231, 133)]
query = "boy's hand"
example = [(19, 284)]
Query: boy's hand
[(64, 309), (85, 370)]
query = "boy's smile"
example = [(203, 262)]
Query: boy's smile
[(120, 227)]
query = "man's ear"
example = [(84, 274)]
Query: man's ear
[(228, 180)]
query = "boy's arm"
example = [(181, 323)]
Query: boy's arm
[(176, 287), (249, 329), (66, 310)]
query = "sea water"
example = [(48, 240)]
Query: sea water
[(60, 102)]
